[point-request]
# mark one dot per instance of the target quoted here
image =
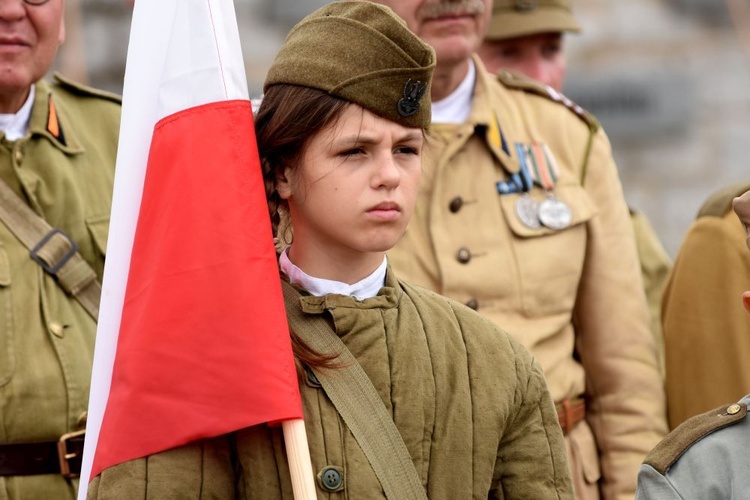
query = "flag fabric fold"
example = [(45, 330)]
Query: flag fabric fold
[(192, 339)]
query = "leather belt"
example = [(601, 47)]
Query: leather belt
[(49, 457), (570, 412)]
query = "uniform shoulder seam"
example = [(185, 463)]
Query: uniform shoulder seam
[(517, 81), (720, 202), (677, 442), (81, 89)]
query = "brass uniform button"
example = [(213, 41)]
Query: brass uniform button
[(463, 255), (56, 328), (734, 409), (18, 156), (455, 204), (82, 418), (472, 304)]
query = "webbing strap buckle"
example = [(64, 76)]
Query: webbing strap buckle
[(54, 267)]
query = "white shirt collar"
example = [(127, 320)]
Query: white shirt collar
[(457, 106), (361, 290), (15, 125)]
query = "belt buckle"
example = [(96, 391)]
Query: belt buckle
[(65, 455)]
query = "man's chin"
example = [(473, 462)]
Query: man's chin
[(453, 49)]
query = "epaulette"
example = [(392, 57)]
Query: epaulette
[(677, 442), (719, 203), (518, 81), (80, 89)]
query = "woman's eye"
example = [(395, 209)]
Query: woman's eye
[(407, 150), (351, 152)]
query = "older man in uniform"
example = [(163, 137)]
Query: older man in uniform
[(707, 455), (57, 150), (527, 37), (521, 216)]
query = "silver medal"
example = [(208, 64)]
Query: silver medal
[(554, 213), (527, 211)]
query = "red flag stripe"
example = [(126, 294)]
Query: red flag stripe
[(203, 346)]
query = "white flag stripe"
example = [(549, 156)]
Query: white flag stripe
[(167, 40)]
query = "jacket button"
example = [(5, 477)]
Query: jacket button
[(472, 304), (456, 204), (81, 422), (463, 255), (331, 478), (734, 409), (57, 329), (19, 156)]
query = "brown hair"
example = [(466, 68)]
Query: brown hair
[(289, 116)]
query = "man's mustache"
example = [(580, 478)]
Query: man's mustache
[(448, 8)]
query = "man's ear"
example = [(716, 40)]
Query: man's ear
[(284, 184), (746, 301)]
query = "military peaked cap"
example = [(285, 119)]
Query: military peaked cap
[(361, 52), (514, 18)]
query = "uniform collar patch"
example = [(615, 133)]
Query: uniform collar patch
[(53, 122)]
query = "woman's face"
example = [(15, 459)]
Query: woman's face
[(354, 189)]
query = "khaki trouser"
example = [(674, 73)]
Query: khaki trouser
[(583, 460)]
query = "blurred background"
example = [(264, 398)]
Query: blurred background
[(669, 80)]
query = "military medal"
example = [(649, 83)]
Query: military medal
[(527, 209), (553, 212)]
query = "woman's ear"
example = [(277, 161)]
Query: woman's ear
[(283, 183)]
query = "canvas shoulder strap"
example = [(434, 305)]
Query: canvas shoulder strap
[(357, 401), (52, 249)]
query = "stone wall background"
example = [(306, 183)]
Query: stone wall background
[(669, 80)]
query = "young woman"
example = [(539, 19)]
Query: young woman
[(341, 133)]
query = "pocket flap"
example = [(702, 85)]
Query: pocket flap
[(99, 229), (573, 195)]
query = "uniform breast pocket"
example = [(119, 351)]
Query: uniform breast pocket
[(550, 261), (7, 352), (99, 230)]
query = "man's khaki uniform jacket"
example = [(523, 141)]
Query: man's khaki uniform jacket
[(573, 297), (706, 329), (469, 402), (64, 169)]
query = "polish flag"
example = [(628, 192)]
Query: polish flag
[(192, 339)]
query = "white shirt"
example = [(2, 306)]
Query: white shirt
[(364, 289), (15, 125), (456, 107)]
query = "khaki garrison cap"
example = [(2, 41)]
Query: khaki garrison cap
[(514, 18), (363, 53)]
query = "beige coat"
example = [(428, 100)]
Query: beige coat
[(469, 402), (706, 329), (573, 297), (46, 337)]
